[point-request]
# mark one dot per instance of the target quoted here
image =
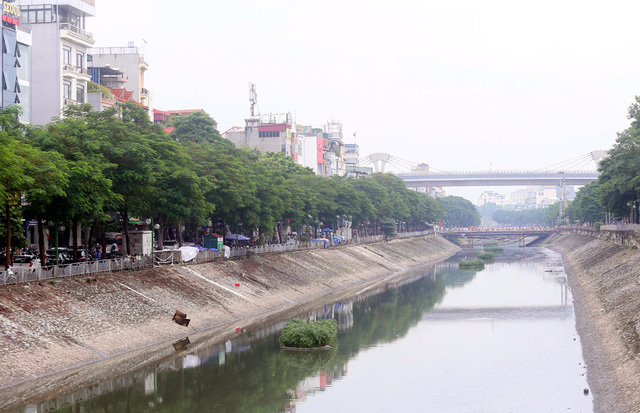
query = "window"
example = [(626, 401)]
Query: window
[(66, 55), (79, 59), (66, 89), (269, 134), (80, 94)]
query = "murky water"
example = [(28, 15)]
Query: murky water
[(498, 340)]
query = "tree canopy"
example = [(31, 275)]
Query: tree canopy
[(99, 170)]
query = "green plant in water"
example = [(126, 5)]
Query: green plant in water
[(487, 256), (471, 264), (305, 334)]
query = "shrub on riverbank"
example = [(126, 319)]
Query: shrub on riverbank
[(305, 334), (471, 264), (487, 256)]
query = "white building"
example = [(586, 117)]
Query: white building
[(59, 73), (491, 197), (24, 73), (121, 67)]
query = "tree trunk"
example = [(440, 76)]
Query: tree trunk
[(74, 235), (179, 235), (103, 243), (125, 217), (7, 250), (41, 248)]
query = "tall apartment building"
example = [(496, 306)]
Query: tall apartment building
[(15, 44), (23, 38), (59, 73)]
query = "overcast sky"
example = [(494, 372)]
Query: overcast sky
[(459, 85)]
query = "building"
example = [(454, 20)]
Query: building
[(336, 148), (16, 59), (130, 66), (310, 148), (59, 74), (268, 133), (122, 68), (23, 38), (491, 197)]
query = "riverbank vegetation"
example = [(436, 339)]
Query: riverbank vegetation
[(306, 334), (91, 172)]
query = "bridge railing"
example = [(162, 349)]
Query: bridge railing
[(499, 173)]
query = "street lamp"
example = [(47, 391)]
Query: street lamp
[(153, 227)]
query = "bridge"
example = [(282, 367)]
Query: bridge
[(488, 232), (567, 173), (502, 178)]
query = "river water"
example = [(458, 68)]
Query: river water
[(439, 340)]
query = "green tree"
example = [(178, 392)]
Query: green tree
[(586, 207), (197, 127), (619, 180), (459, 212)]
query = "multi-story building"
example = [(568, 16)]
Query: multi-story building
[(24, 73), (16, 44), (268, 133), (122, 67), (333, 131), (491, 197), (59, 73), (310, 148)]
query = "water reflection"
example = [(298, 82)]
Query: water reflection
[(429, 311)]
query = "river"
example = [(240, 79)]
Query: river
[(438, 340)]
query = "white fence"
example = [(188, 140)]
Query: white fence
[(169, 257), (621, 227), (73, 270)]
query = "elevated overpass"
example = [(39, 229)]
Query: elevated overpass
[(567, 173)]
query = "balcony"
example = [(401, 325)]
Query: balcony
[(75, 72), (144, 92), (76, 34)]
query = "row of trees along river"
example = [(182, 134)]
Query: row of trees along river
[(615, 195), (95, 170)]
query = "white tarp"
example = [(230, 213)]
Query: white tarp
[(227, 251), (188, 253)]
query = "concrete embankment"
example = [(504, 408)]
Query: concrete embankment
[(604, 279), (57, 326)]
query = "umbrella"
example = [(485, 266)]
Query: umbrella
[(238, 237)]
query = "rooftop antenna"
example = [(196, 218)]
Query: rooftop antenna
[(253, 99)]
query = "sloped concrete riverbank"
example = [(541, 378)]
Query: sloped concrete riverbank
[(605, 282), (52, 329)]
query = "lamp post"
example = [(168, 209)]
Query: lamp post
[(153, 227)]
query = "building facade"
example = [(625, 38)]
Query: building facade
[(268, 133), (59, 74), (122, 68)]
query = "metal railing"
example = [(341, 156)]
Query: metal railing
[(18, 276), (170, 257), (75, 29), (75, 69)]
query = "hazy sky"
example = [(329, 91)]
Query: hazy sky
[(459, 85)]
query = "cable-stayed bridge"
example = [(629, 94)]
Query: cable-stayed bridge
[(566, 173)]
